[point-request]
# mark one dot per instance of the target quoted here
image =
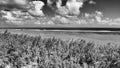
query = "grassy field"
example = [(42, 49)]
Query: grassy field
[(58, 49), (94, 35)]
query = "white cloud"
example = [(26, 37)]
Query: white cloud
[(87, 15), (50, 22), (71, 8), (117, 20), (97, 17), (63, 10), (60, 20), (8, 15), (92, 2), (99, 13), (74, 6), (37, 9), (23, 4)]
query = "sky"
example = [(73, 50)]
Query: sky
[(110, 8)]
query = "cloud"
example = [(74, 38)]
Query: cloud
[(8, 16), (99, 13), (38, 5), (87, 15), (92, 2), (62, 10), (72, 7), (60, 20), (117, 20), (97, 16), (35, 12), (16, 4)]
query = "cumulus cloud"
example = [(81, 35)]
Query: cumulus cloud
[(54, 3), (87, 15), (92, 2), (60, 20), (97, 16), (72, 7), (8, 15), (99, 13), (36, 11), (38, 5), (62, 11), (117, 20)]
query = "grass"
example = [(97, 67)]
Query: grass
[(24, 51), (100, 36)]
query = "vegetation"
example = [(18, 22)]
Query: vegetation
[(24, 51)]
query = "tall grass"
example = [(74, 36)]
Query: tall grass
[(23, 51)]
